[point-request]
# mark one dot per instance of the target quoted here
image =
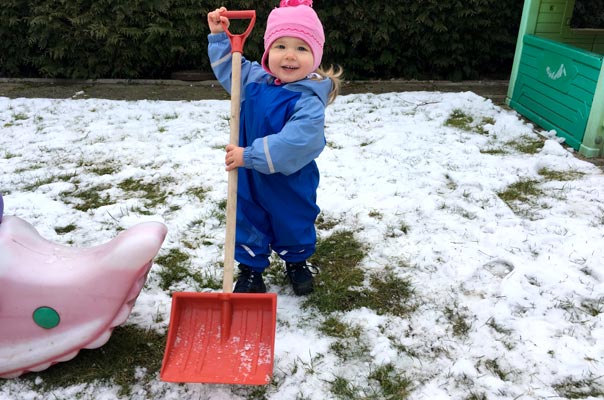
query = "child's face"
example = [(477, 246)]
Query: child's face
[(290, 59)]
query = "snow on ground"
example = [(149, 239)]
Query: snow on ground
[(526, 279)]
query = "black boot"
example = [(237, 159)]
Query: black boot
[(300, 275), (249, 281)]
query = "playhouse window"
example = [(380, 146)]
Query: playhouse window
[(588, 14)]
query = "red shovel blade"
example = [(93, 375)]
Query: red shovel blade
[(221, 338)]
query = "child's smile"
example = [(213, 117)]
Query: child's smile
[(290, 59)]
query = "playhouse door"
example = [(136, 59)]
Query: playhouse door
[(555, 86)]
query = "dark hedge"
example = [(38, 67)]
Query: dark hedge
[(588, 14), (419, 39)]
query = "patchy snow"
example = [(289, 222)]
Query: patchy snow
[(527, 280)]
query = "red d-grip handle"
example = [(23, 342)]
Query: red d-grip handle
[(237, 41)]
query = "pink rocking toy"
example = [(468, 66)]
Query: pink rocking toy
[(56, 300)]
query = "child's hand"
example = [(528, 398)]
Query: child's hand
[(234, 157), (215, 20)]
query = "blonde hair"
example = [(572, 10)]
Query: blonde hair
[(335, 74)]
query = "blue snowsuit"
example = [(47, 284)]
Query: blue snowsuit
[(282, 132)]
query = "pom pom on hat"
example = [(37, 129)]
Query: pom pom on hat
[(292, 3), (295, 18)]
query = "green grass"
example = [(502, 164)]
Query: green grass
[(340, 285), (343, 286), (376, 214), (91, 198), (8, 155), (491, 322), (393, 384), (219, 211), (104, 170), (476, 396), (325, 222), (593, 307), (385, 382), (115, 362), (332, 326), (333, 145), (528, 192), (338, 257), (252, 392), (175, 267), (343, 389), (460, 120), (15, 118), (561, 176), (493, 366), (571, 388), (388, 294), (459, 320), (65, 177), (526, 144), (493, 152), (86, 198), (351, 349), (199, 192), (349, 343), (61, 230), (153, 193), (521, 191), (20, 117)]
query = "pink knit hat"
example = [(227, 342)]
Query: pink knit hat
[(295, 18)]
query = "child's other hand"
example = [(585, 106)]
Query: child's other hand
[(234, 157), (215, 20)]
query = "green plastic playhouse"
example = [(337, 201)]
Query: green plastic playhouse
[(557, 78)]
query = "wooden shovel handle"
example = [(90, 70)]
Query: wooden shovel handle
[(231, 207), (237, 42)]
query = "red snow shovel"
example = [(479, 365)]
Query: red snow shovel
[(223, 337)]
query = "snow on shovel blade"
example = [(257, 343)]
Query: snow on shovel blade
[(221, 338)]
